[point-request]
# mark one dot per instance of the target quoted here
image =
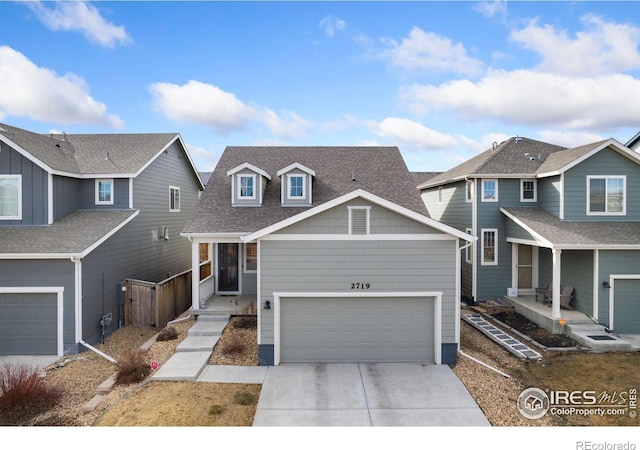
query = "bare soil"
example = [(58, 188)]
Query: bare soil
[(535, 332)]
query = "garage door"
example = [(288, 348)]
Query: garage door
[(626, 307), (28, 324), (356, 329)]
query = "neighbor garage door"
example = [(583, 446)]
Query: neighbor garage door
[(28, 324), (626, 306), (356, 329)]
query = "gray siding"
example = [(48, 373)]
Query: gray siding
[(549, 194), (138, 250), (454, 210), (120, 194), (605, 162), (334, 265), (34, 187), (577, 271), (617, 262), (66, 196), (53, 273)]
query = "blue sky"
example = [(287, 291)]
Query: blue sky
[(440, 80)]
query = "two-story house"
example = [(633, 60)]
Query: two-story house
[(78, 215), (336, 249), (545, 216)]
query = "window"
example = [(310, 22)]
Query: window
[(11, 197), (104, 192), (174, 199), (489, 248), (359, 219), (606, 195), (205, 261), (251, 257), (528, 191), (469, 190), (469, 248), (247, 186), (489, 190), (296, 186)]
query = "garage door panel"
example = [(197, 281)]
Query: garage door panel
[(627, 306), (356, 329), (28, 324)]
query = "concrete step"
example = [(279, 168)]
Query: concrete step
[(198, 344), (183, 366), (207, 328), (595, 337)]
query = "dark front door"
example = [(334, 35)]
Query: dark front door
[(228, 267)]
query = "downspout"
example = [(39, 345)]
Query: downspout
[(483, 364), (78, 304)]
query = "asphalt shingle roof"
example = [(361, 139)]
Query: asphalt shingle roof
[(72, 234), (378, 170), (577, 234)]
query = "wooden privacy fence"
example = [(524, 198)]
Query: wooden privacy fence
[(152, 305)]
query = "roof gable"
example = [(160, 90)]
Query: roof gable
[(250, 167), (294, 166)]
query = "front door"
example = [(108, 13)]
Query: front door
[(228, 267), (525, 268)]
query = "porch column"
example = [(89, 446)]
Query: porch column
[(195, 275), (555, 283)]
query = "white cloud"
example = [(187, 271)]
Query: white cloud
[(412, 133), (205, 104), (82, 17), (331, 25), (569, 138), (492, 8), (532, 98), (27, 90), (204, 160), (429, 51), (485, 142), (604, 47)]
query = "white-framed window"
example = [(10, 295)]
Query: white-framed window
[(469, 190), (528, 190), (104, 192), (359, 217), (469, 249), (251, 257), (205, 257), (174, 199), (10, 197), (490, 190), (296, 186), (489, 242), (606, 195), (247, 187)]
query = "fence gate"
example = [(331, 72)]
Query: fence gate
[(140, 303)]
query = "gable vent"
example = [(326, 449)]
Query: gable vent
[(359, 220)]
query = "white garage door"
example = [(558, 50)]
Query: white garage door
[(357, 329), (28, 324)]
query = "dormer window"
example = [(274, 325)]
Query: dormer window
[(296, 181), (248, 183), (104, 192)]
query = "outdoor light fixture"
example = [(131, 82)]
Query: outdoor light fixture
[(267, 305), (606, 284)]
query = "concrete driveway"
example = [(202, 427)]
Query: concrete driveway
[(365, 395)]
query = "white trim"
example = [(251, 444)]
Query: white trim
[(482, 196), (49, 198), (251, 167), (596, 282), (171, 197), (238, 271), (612, 279), (77, 272), (111, 193), (59, 291), (606, 179), (495, 246), (474, 264), (468, 250), (358, 237), (109, 234), (130, 193), (535, 190), (244, 263), (298, 166), (435, 295), (358, 193), (254, 187), (469, 191), (259, 310), (304, 186), (367, 210), (17, 177), (540, 240), (195, 275)]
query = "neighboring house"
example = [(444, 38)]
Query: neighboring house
[(336, 247), (544, 216), (78, 215)]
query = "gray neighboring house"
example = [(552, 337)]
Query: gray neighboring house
[(545, 216), (78, 215), (337, 250)]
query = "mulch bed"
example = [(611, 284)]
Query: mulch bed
[(535, 332)]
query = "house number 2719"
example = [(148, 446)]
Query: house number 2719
[(360, 286)]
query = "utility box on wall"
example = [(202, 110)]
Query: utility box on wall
[(512, 292)]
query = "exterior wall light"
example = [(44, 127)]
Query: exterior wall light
[(267, 305)]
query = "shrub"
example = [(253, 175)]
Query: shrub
[(244, 398), (233, 346), (24, 393), (167, 334), (132, 368), (215, 410), (245, 322)]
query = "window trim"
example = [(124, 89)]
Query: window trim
[(246, 265), (483, 198), (111, 191), (367, 219), (172, 207), (17, 177), (304, 186), (251, 176), (606, 178), (469, 191), (468, 251), (495, 246), (535, 190), (440, 194)]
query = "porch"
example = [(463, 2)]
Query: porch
[(233, 304), (579, 326)]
